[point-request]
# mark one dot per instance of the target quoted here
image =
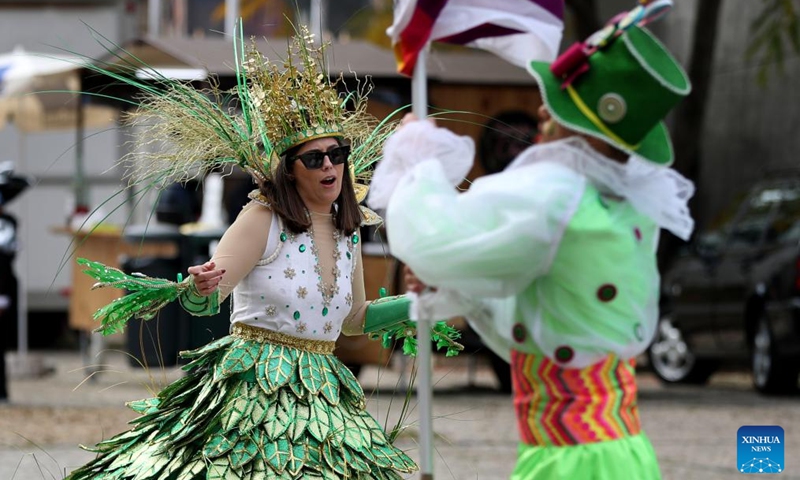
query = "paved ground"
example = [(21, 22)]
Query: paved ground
[(693, 429)]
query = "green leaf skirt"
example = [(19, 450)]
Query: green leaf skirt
[(254, 410)]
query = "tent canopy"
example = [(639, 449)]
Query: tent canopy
[(38, 92)]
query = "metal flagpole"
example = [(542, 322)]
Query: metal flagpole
[(419, 106), (316, 19), (154, 17), (231, 17)]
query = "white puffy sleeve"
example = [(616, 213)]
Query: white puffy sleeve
[(413, 144), (491, 241)]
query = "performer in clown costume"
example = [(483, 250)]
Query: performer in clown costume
[(553, 260)]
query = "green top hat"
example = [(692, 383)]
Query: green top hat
[(619, 93)]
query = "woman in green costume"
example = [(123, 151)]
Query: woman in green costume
[(553, 260), (270, 400)]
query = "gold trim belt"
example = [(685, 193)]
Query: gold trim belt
[(249, 332)]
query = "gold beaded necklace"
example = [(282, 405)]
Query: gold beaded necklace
[(327, 291)]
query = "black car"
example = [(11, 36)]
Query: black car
[(734, 294)]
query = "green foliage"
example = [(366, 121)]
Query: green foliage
[(147, 295), (442, 334), (773, 32)]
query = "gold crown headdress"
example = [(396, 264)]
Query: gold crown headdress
[(297, 102), (281, 107)]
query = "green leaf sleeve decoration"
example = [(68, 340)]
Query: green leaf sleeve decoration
[(442, 334), (147, 295), (387, 319), (199, 305)]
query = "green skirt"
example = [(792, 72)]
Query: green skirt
[(628, 457), (250, 409)]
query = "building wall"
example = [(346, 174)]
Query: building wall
[(50, 156)]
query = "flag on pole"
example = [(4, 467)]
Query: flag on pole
[(516, 30)]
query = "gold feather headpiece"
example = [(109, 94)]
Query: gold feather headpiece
[(297, 102), (184, 131)]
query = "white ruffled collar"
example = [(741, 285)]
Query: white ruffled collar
[(658, 192)]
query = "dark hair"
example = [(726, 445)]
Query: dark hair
[(504, 137), (285, 200)]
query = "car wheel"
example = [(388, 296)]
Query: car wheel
[(771, 374), (672, 359)]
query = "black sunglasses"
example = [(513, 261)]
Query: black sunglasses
[(314, 159)]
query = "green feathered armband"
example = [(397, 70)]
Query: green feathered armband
[(385, 312), (199, 305), (147, 295), (387, 319)]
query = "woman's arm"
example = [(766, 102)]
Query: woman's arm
[(372, 316), (240, 248), (354, 323)]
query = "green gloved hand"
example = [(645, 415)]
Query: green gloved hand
[(387, 319)]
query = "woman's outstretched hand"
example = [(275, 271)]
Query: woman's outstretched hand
[(206, 277)]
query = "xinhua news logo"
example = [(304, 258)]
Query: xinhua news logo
[(760, 449)]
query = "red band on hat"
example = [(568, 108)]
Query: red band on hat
[(571, 64)]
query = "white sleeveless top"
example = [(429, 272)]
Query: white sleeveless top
[(284, 291)]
